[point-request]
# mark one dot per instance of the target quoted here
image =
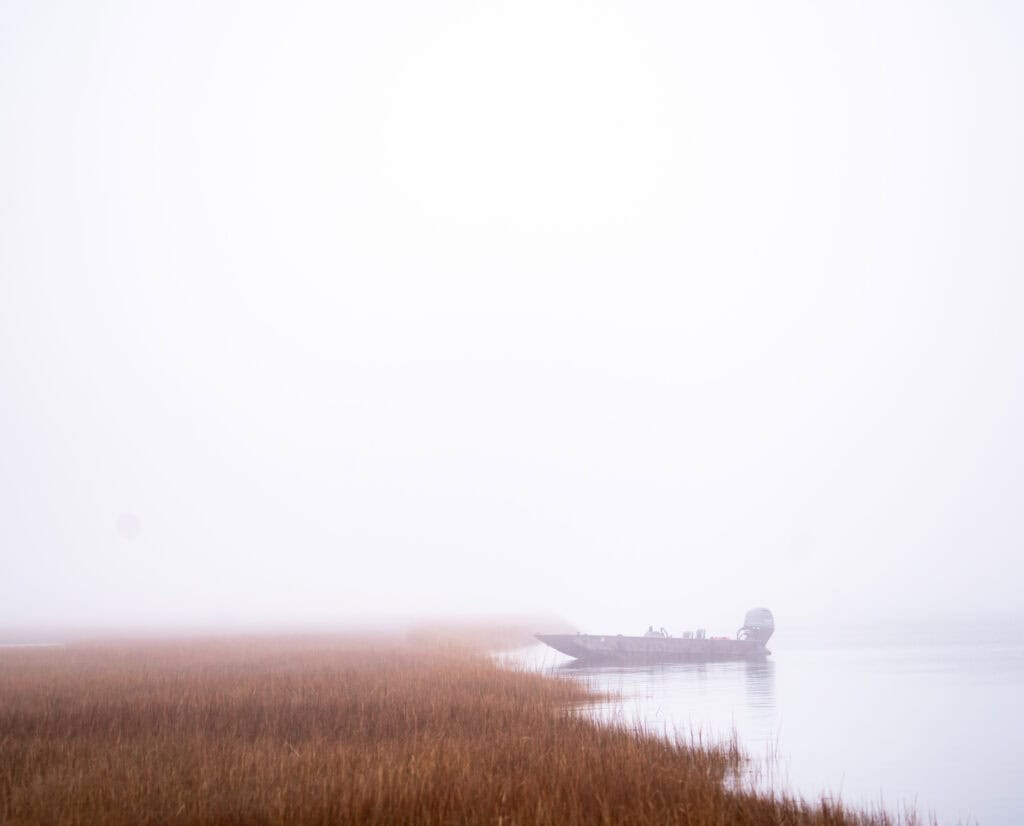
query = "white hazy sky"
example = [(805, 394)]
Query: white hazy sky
[(627, 311)]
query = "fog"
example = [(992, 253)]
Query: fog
[(315, 313)]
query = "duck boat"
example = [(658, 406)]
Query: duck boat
[(750, 642)]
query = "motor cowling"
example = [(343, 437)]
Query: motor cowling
[(758, 626)]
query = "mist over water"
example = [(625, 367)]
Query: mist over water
[(325, 315), (933, 725)]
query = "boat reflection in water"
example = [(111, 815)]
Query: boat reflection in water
[(706, 699)]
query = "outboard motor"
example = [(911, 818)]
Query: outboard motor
[(758, 626)]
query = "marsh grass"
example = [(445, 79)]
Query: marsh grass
[(335, 730)]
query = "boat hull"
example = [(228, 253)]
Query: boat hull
[(652, 649)]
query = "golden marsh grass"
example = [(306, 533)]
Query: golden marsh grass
[(340, 730)]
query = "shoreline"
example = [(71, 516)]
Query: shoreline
[(346, 730)]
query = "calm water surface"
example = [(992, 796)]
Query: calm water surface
[(937, 727)]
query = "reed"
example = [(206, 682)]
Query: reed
[(341, 730)]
